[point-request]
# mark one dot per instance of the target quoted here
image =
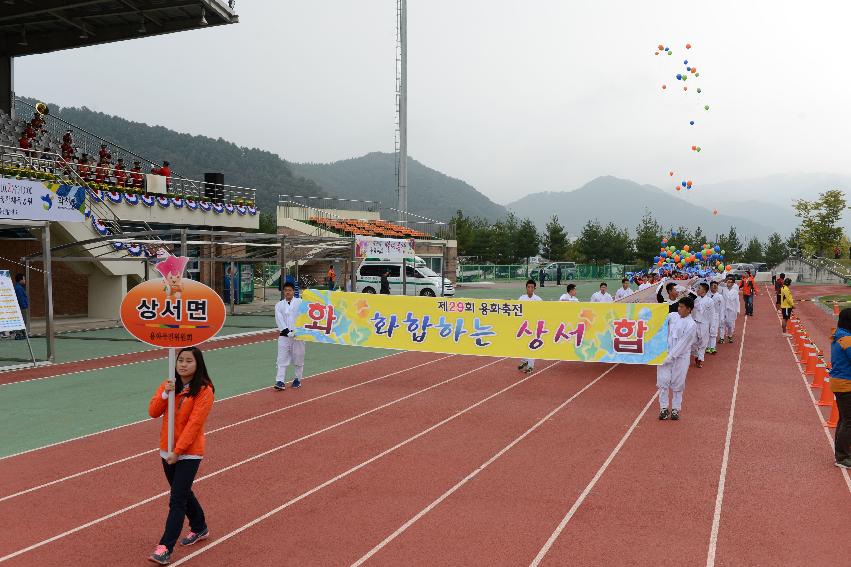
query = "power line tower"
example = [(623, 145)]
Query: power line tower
[(401, 144)]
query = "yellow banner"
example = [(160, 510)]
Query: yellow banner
[(630, 333)]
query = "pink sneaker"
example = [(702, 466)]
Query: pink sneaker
[(193, 537), (161, 555)]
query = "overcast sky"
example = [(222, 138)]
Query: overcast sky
[(513, 96)]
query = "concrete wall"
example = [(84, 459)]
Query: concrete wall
[(105, 295), (303, 214), (808, 273)]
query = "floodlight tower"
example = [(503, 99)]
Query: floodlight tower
[(402, 108)]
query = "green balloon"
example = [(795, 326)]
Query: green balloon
[(697, 74), (670, 52), (723, 252), (706, 107), (698, 148)]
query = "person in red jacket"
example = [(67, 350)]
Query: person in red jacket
[(194, 396), (165, 171), (136, 175), (748, 286), (120, 173)]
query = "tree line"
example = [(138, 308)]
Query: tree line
[(511, 241)]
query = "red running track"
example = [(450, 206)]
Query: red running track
[(466, 461)]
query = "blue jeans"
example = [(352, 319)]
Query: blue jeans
[(749, 304)]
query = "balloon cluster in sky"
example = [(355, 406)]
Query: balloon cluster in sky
[(689, 72), (710, 258)]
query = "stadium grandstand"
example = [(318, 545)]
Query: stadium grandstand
[(130, 206)]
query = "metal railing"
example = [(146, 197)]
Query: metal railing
[(437, 229), (332, 203)]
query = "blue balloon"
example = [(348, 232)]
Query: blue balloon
[(666, 49), (691, 122), (685, 62), (679, 77), (688, 68), (684, 183), (717, 248)]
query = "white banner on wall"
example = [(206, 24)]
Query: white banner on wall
[(11, 318), (27, 199), (385, 248)]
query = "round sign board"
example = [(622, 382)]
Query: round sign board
[(168, 318)]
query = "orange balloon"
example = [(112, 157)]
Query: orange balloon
[(678, 188), (664, 87), (729, 267), (686, 247)]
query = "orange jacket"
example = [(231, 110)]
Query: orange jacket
[(748, 284), (190, 414)]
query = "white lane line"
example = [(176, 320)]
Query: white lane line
[(830, 439), (725, 460), (354, 469), (222, 428), (147, 350), (249, 460), (473, 474), (570, 513), (265, 388)]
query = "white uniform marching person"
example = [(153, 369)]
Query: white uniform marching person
[(671, 375), (290, 350), (527, 365), (702, 315), (570, 295), (730, 293), (717, 316), (624, 291), (602, 296)]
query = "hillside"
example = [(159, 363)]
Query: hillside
[(622, 202), (372, 177)]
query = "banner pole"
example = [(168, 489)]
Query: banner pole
[(172, 362)]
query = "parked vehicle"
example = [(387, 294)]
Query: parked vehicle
[(419, 278), (568, 270), (738, 270), (760, 267)]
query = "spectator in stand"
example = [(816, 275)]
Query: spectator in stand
[(136, 175), (120, 173), (24, 144), (84, 169), (29, 131), (37, 122), (102, 171), (165, 171), (67, 150), (67, 137), (104, 154)]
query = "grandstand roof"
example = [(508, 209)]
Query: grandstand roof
[(28, 27)]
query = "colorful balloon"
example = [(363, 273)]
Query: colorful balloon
[(698, 148), (688, 46), (679, 77), (691, 122), (729, 267), (664, 87), (684, 183), (685, 88), (660, 47), (685, 62), (707, 108), (698, 89), (715, 211), (694, 148), (671, 173)]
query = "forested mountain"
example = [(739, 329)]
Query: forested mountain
[(430, 193)]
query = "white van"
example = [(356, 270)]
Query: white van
[(420, 280)]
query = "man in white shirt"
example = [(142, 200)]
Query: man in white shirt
[(624, 291), (645, 283), (290, 350), (702, 315), (570, 295), (717, 317), (527, 365), (730, 293), (671, 375), (602, 296)]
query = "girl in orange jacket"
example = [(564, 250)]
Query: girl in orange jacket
[(194, 394)]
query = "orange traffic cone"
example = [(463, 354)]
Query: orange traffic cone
[(818, 377), (833, 420), (835, 309), (803, 352), (826, 398), (812, 360)]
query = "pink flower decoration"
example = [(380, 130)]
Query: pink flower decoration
[(172, 265)]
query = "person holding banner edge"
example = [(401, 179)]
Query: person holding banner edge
[(527, 365), (290, 350), (195, 394)]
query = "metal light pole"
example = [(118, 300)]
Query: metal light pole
[(402, 181)]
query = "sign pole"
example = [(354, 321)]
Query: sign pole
[(172, 363)]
